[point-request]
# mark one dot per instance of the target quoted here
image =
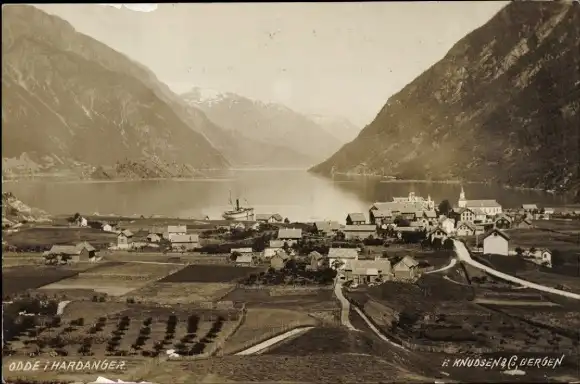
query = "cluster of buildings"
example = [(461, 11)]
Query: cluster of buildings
[(349, 261)]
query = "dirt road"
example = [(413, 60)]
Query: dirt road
[(463, 255)]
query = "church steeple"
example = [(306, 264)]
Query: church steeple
[(462, 201)]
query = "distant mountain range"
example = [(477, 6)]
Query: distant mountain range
[(73, 106), (268, 134), (502, 105), (72, 103)]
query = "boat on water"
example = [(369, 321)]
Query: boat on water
[(239, 213)]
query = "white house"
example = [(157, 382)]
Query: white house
[(290, 235), (107, 227), (125, 239), (175, 230), (496, 242), (542, 257), (184, 242), (345, 255)]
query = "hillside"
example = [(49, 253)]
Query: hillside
[(263, 133), (502, 105), (71, 104), (15, 211)]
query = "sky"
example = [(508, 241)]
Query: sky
[(334, 59)]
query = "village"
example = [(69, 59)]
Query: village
[(358, 247), (398, 271)]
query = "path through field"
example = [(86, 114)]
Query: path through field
[(345, 305), (463, 255), (448, 266), (375, 330), (274, 340)]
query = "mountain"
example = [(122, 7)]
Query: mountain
[(289, 137), (15, 211), (502, 105), (339, 127), (71, 103)]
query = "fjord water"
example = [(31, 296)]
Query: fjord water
[(295, 194)]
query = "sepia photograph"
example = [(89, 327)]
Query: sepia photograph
[(291, 192)]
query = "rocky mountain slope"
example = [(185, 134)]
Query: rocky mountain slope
[(264, 133), (15, 211), (72, 103), (502, 105)]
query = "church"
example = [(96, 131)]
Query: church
[(489, 207)]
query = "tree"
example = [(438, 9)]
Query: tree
[(337, 264), (286, 221), (234, 256), (519, 251), (448, 244), (437, 243), (444, 207)]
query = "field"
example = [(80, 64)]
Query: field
[(518, 267), (116, 279), (43, 238), (181, 293), (18, 279), (209, 274), (547, 234), (133, 331), (285, 298), (261, 324)]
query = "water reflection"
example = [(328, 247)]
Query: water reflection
[(294, 194)]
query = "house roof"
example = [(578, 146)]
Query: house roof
[(408, 261), (193, 238), (549, 210), (466, 224), (242, 250), (360, 228), (64, 250), (357, 216), (430, 214), (126, 233), (529, 206), (177, 228), (290, 233), (482, 204), (362, 267), (399, 206), (244, 258), (276, 243), (315, 254), (158, 230), (438, 229), (382, 213), (503, 216), (277, 217), (152, 235), (343, 253), (460, 210), (85, 245), (498, 232), (281, 255), (327, 226)]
